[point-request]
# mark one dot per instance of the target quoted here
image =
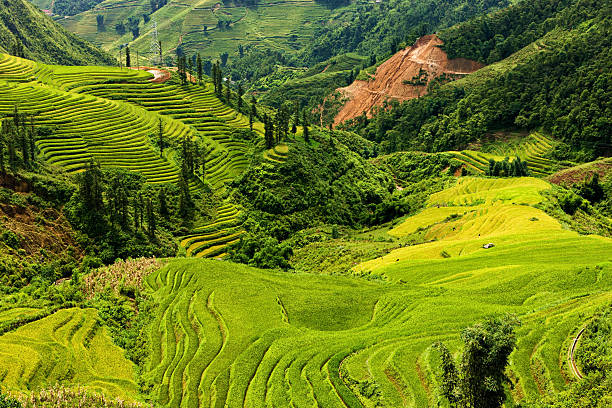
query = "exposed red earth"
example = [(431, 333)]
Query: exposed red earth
[(403, 76)]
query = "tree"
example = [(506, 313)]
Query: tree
[(253, 112), (305, 126), (199, 68), (128, 58), (268, 132), (163, 204), (2, 168), (120, 28), (151, 222), (239, 96), (240, 50), (185, 203), (296, 119), (228, 93), (17, 49), (100, 23), (133, 25), (224, 56), (478, 381), (161, 60)]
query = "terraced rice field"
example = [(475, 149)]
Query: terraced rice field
[(530, 149), (68, 346), (278, 154), (110, 116), (460, 220), (305, 340), (283, 25)]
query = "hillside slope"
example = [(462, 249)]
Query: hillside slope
[(42, 39), (404, 76), (558, 84)]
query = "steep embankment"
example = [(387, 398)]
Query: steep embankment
[(43, 39), (403, 76)]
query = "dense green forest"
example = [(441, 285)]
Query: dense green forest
[(492, 37), (72, 7), (380, 28)]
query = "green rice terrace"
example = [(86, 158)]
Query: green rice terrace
[(337, 341), (483, 237), (109, 115), (204, 26)]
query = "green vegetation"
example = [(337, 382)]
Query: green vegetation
[(480, 378), (492, 37), (380, 29), (512, 93), (68, 346), (25, 28), (387, 267)]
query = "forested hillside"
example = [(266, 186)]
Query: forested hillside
[(25, 31), (560, 83)]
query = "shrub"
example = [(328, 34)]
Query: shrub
[(570, 202)]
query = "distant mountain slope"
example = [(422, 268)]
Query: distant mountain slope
[(404, 76), (559, 84), (43, 39)]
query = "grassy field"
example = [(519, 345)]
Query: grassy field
[(111, 115), (284, 25), (69, 346)]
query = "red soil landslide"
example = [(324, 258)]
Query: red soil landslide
[(406, 65)]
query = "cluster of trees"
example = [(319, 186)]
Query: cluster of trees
[(381, 28), (17, 142), (17, 49), (100, 23), (325, 183), (157, 4), (590, 191), (492, 37), (507, 168), (561, 90), (132, 25), (276, 129), (73, 7), (122, 215), (478, 380)]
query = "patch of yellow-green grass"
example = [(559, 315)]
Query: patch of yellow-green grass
[(69, 346), (427, 217), (462, 219)]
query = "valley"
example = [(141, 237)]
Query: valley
[(305, 204)]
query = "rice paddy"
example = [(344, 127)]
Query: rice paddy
[(230, 335), (70, 346), (282, 25), (110, 115), (531, 149), (305, 340)]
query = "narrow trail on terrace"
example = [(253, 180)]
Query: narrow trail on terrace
[(159, 75), (572, 351)]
